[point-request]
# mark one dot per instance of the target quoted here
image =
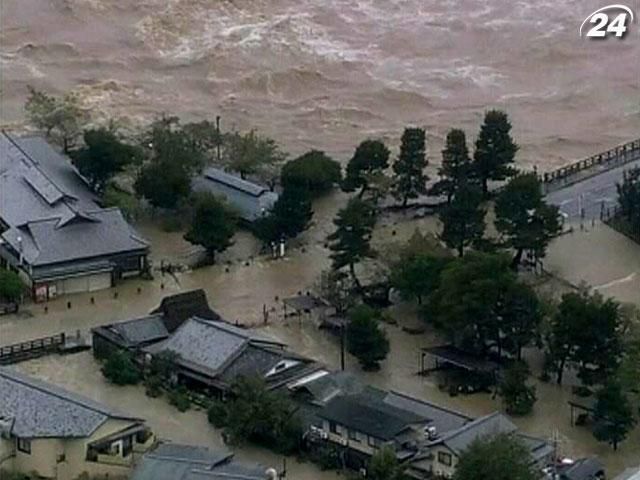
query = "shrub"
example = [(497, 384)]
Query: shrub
[(314, 172), (179, 398), (11, 286), (120, 369)]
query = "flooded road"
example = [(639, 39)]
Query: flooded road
[(328, 73)]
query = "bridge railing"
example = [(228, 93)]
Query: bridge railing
[(31, 349), (614, 157)]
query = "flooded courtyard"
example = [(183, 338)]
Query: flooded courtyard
[(243, 282)]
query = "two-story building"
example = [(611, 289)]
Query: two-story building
[(59, 435), (52, 231)]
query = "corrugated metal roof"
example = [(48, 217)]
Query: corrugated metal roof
[(237, 183)]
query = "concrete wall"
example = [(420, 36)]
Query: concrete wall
[(7, 454), (43, 457)]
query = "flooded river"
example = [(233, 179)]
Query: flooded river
[(328, 73)]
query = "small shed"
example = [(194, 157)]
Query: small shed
[(251, 201), (300, 304)]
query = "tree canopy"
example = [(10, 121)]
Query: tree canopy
[(11, 286), (384, 465), (102, 156), (251, 153), (463, 219), (613, 415), (495, 150), (371, 157), (257, 414), (61, 118), (501, 457), (629, 197), (365, 340), (585, 332), (524, 219), (314, 171), (456, 168), (290, 216), (350, 243), (213, 224), (410, 180), (163, 184), (517, 396)]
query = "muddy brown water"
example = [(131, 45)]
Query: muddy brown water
[(240, 293), (328, 73)]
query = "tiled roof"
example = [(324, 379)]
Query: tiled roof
[(51, 214), (487, 426), (181, 306), (140, 330), (184, 462), (40, 410), (368, 413)]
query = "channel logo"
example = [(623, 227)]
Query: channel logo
[(610, 21)]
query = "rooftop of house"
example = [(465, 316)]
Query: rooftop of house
[(582, 469), (35, 409), (184, 462), (136, 332), (217, 175), (50, 212), (488, 426), (224, 352), (179, 307), (367, 412)]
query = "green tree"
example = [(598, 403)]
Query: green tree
[(314, 171), (164, 184), (290, 216), (257, 414), (456, 169), (120, 369), (629, 371), (384, 465), (523, 217), (480, 304), (365, 339), (501, 457), (629, 197), (416, 276), (102, 156), (169, 143), (463, 219), (495, 150), (61, 118), (350, 243), (337, 288), (213, 224), (613, 415), (11, 286), (585, 332), (518, 397), (251, 153), (204, 137), (410, 181), (371, 157)]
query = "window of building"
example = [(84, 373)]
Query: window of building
[(24, 445), (353, 435), (333, 428), (445, 458), (373, 442)]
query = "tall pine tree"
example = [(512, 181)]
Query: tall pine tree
[(410, 181), (456, 166), (495, 150), (463, 219)]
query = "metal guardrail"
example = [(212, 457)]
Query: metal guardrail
[(31, 349), (612, 158)]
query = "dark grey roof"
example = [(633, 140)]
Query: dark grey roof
[(51, 213), (220, 176), (38, 410), (184, 462), (541, 450), (487, 426), (139, 331), (181, 306), (325, 386), (208, 345), (460, 358), (443, 419), (582, 469), (367, 412)]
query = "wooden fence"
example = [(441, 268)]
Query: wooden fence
[(31, 349)]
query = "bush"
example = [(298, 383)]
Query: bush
[(179, 398), (314, 172), (120, 369), (217, 414), (153, 386), (518, 397), (11, 286)]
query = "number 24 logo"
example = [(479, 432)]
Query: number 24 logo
[(605, 26)]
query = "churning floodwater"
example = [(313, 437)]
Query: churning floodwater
[(328, 73)]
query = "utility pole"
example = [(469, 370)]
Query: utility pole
[(219, 138), (342, 341)]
